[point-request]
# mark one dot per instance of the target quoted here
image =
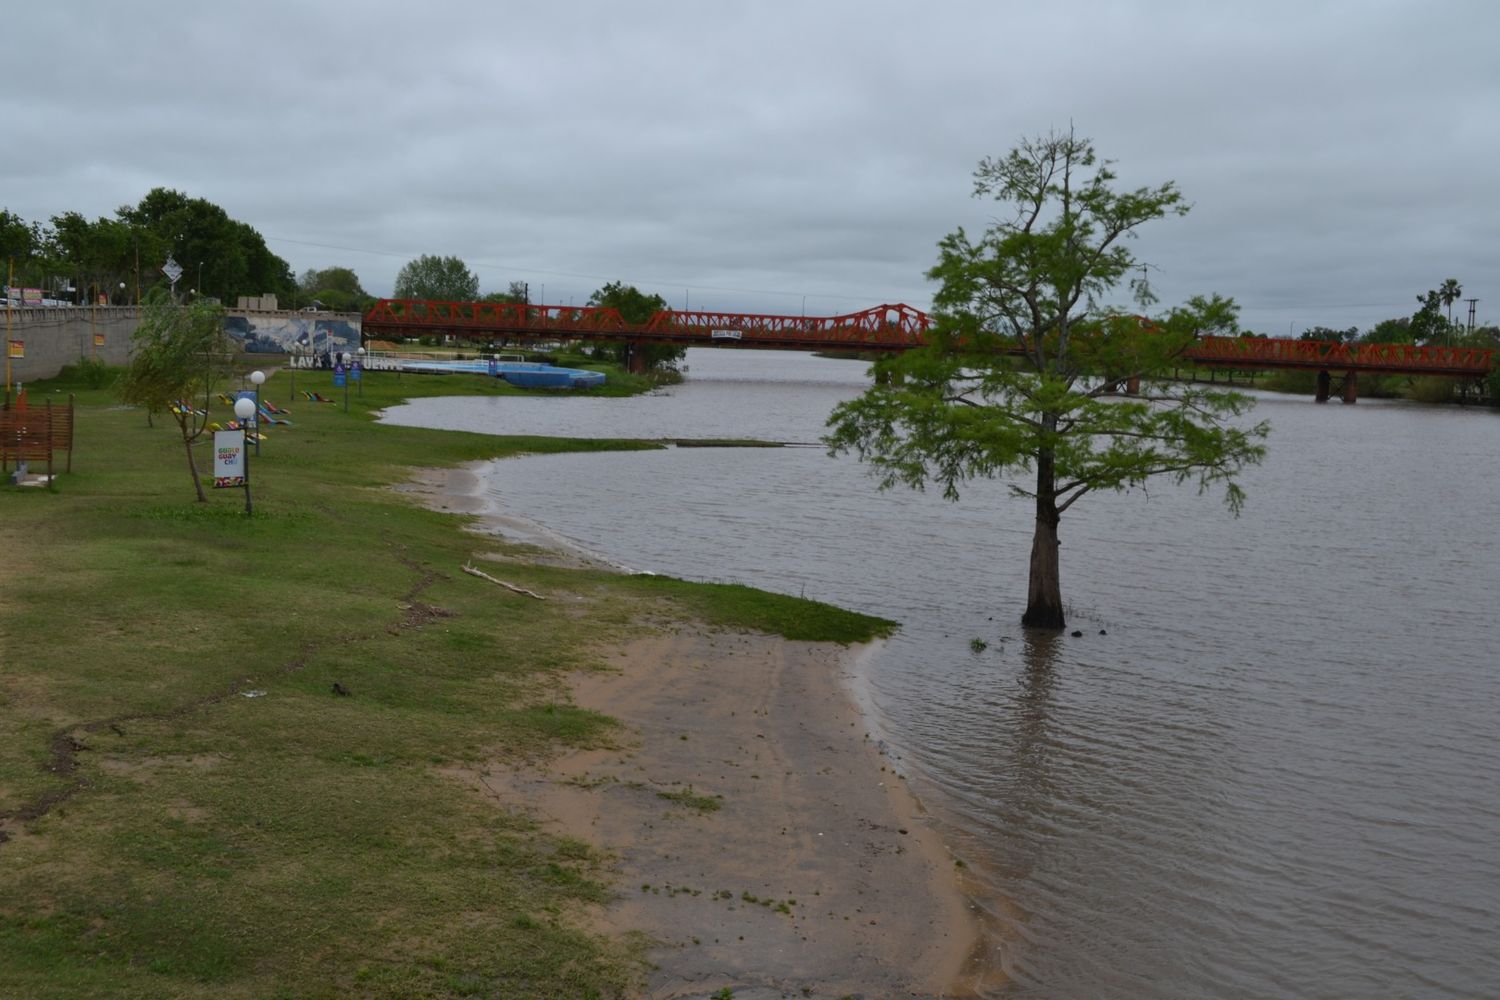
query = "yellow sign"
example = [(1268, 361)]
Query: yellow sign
[(98, 340), (17, 349)]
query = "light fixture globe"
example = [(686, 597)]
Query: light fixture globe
[(244, 408), (257, 377)]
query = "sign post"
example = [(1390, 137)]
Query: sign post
[(173, 271)]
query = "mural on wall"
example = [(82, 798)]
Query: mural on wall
[(306, 335)]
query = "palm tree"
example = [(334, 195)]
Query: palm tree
[(1450, 293)]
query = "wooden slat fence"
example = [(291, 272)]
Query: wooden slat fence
[(36, 433)]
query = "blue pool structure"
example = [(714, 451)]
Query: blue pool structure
[(526, 374)]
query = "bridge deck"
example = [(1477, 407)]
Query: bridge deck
[(882, 328)]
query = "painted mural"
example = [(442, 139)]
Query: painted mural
[(312, 335)]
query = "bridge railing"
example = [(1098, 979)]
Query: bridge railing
[(885, 326), (1397, 358)]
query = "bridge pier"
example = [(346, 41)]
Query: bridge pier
[(1133, 385), (635, 358), (1350, 391)]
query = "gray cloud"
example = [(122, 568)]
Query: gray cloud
[(753, 156)]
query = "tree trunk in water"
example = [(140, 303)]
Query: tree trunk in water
[(1044, 591)]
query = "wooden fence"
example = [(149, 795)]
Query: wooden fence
[(35, 433)]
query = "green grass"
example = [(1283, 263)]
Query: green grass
[(301, 843)]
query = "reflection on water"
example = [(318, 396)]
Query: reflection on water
[(1269, 766)]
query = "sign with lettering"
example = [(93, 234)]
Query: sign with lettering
[(229, 459), (339, 378), (18, 348)]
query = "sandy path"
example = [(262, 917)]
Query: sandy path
[(762, 840)]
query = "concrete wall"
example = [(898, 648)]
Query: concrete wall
[(54, 337)]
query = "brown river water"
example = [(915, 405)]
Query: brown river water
[(1269, 766)]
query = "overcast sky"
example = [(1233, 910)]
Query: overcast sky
[(778, 156)]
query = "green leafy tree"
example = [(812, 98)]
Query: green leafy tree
[(1390, 331), (219, 256), (444, 278), (636, 306), (179, 356), (27, 251), (98, 254), (335, 288), (517, 294), (1427, 324), (1018, 373)]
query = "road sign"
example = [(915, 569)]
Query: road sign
[(172, 270)]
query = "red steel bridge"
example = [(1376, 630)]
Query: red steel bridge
[(882, 328)]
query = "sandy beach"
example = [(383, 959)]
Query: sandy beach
[(762, 842)]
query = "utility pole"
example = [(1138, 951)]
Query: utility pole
[(1472, 303)]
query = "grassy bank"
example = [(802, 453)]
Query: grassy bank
[(226, 742)]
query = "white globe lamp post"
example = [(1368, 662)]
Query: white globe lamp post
[(245, 409), (257, 379)]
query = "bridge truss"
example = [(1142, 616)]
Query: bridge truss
[(882, 328)]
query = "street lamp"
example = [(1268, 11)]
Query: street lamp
[(257, 378), (245, 409), (359, 371), (346, 359)]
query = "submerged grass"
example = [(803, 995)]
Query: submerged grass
[(225, 742)]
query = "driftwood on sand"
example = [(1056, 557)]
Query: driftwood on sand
[(501, 583)]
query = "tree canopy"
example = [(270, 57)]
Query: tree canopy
[(636, 306), (444, 278), (220, 256), (516, 294), (1025, 360), (336, 288)]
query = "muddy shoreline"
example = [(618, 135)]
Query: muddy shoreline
[(763, 841)]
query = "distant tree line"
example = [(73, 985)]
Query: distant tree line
[(119, 259), (1432, 323)]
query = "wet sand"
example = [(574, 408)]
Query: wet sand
[(762, 840)]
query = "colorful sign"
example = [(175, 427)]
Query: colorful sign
[(229, 459), (17, 349), (98, 340), (494, 367), (354, 371), (339, 378)]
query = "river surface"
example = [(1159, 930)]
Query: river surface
[(1270, 765)]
